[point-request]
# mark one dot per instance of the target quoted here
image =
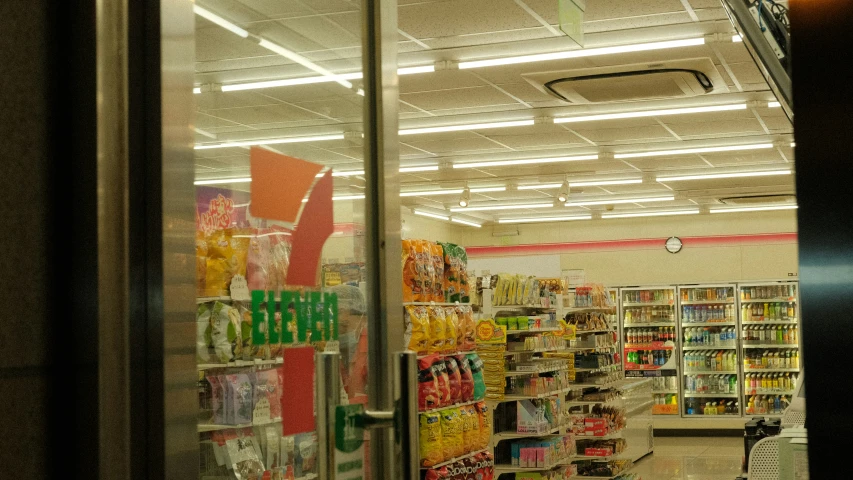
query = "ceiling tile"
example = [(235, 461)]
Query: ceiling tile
[(462, 17), (460, 98)]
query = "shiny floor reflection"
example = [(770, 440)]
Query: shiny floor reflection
[(692, 458)]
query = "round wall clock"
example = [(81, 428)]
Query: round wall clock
[(673, 244)]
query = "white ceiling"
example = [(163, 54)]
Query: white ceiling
[(327, 32)]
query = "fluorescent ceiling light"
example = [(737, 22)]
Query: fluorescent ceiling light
[(465, 222), (424, 168), (501, 207), (349, 197), (488, 189), (737, 38), (206, 14), (597, 183), (723, 175), (666, 198), (685, 151), (350, 173), (650, 214), (753, 209), (651, 113), (196, 89), (540, 186), (431, 215), (411, 70), (773, 104), (270, 141), (425, 193), (582, 52), (474, 126), (793, 144), (531, 161), (288, 82), (293, 56), (566, 218), (223, 181)]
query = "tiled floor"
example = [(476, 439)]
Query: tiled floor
[(692, 458)]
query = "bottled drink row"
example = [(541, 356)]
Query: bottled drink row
[(665, 384), (722, 294), (698, 406), (710, 361), (648, 296), (648, 335), (770, 335), (666, 399), (707, 313), (762, 312), (710, 337), (758, 383), (767, 404), (769, 292), (664, 314), (649, 357), (726, 384), (755, 359)]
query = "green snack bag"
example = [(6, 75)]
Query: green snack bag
[(476, 364)]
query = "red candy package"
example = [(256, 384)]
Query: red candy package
[(455, 380), (437, 474), (466, 378), (428, 393), (439, 371)]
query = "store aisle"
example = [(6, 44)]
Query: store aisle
[(692, 458)]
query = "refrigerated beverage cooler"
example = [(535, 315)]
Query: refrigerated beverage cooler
[(650, 338), (710, 361)]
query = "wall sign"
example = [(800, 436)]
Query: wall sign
[(673, 244)]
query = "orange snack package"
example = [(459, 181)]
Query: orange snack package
[(451, 327), (437, 258), (218, 270), (411, 276), (423, 251)]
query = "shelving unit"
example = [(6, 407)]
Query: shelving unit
[(649, 317)]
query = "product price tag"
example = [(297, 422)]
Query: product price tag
[(261, 413), (333, 346), (349, 443), (240, 289)]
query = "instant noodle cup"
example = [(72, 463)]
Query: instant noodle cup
[(451, 327), (466, 378), (430, 435), (439, 370), (429, 396), (418, 329), (451, 429), (437, 329), (455, 380)]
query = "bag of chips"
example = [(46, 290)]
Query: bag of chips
[(437, 259), (466, 378), (451, 327), (466, 341), (454, 380), (437, 329), (418, 329), (451, 272), (218, 270), (476, 364), (423, 250), (485, 424), (258, 262), (440, 473), (470, 434), (428, 394), (464, 289), (411, 274), (200, 262), (451, 429), (440, 371), (430, 434), (281, 247)]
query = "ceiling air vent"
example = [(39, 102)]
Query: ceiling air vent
[(625, 83), (759, 199)]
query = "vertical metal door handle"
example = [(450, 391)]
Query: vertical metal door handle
[(328, 391), (406, 392)]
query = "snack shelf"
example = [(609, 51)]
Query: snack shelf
[(200, 300), (710, 395), (456, 459), (665, 303), (504, 468), (707, 302), (770, 300), (649, 324), (455, 405), (772, 345), (709, 347), (511, 397), (674, 390), (535, 350), (443, 354), (580, 403), (536, 330), (769, 392), (709, 372), (515, 435), (648, 346), (240, 363), (521, 373), (598, 369), (587, 309), (212, 427), (585, 332), (602, 386), (581, 349), (771, 370), (708, 324), (609, 436), (770, 322), (576, 458), (538, 307), (436, 304)]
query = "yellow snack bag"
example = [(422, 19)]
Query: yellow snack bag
[(470, 428), (451, 328), (485, 424), (417, 328), (451, 429), (437, 329), (429, 430)]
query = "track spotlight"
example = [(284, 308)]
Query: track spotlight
[(564, 192), (465, 199)]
